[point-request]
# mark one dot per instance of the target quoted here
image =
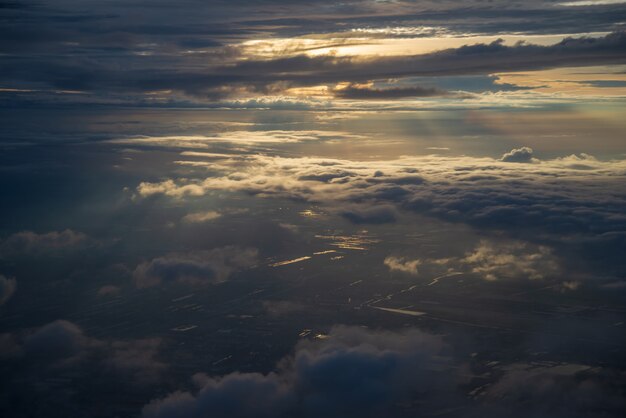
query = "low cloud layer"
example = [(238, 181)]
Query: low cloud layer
[(489, 260), (237, 138), (368, 93), (59, 363), (576, 196), (200, 217), (568, 390), (510, 260), (356, 372), (63, 345), (353, 372), (402, 264), (194, 268), (32, 243)]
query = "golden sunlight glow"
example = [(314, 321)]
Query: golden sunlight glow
[(589, 81), (347, 44)]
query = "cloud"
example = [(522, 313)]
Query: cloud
[(368, 93), (378, 214), (234, 138), (352, 373), (581, 3), (29, 243), (264, 76), (573, 194), (574, 202), (403, 265), (59, 370), (199, 217), (62, 346), (186, 65), (58, 339), (7, 288), (499, 260), (194, 268), (511, 260), (563, 390), (109, 290), (519, 155)]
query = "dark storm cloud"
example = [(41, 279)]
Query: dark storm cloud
[(195, 268), (104, 49), (352, 373), (161, 20), (269, 76)]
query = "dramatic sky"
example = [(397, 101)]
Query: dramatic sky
[(271, 208)]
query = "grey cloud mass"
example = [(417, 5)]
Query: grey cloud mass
[(61, 352), (320, 208), (52, 52), (575, 196), (29, 242), (353, 372), (365, 93), (63, 344), (431, 184), (275, 75), (194, 268)]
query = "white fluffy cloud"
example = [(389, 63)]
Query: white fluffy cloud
[(401, 264), (519, 155), (510, 260), (490, 260), (235, 138)]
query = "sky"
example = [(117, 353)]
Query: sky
[(266, 208)]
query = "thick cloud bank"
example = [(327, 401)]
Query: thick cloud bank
[(353, 372), (49, 370), (578, 197), (196, 268)]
